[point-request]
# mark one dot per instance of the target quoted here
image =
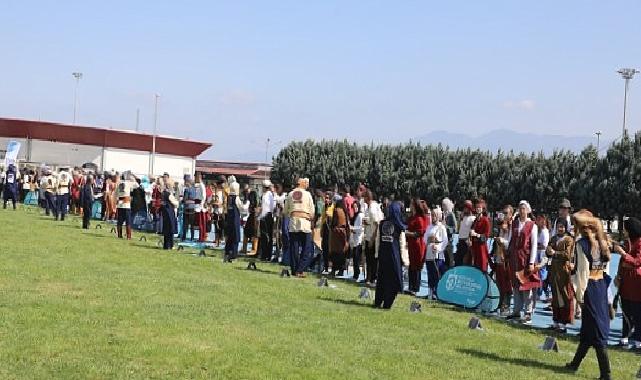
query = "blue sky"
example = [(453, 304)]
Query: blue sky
[(237, 72)]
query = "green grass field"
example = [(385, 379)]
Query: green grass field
[(83, 305)]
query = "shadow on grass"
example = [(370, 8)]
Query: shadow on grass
[(367, 304), (523, 362), (96, 234), (258, 270), (141, 245)]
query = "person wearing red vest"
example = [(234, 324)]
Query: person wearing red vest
[(628, 281), (479, 234), (76, 188), (522, 256)]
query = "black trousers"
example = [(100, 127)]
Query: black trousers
[(414, 280), (371, 262), (50, 204), (461, 250), (631, 319), (357, 255), (266, 237), (188, 223), (86, 216), (63, 202), (601, 355)]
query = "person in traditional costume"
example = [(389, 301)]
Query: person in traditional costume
[(86, 198), (169, 221), (591, 255), (10, 191), (110, 196), (436, 242), (282, 225), (500, 263), (479, 233), (201, 213), (542, 242), (628, 281), (51, 184), (299, 205), (463, 247), (417, 225), (250, 229), (232, 220), (123, 193), (390, 274), (76, 187), (266, 221), (218, 209), (339, 239), (560, 251), (371, 221), (356, 239), (62, 193), (449, 220), (522, 257), (326, 226), (189, 208)]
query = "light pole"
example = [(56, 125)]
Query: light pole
[(627, 74), (137, 118), (153, 139), (598, 140), (267, 152), (78, 76)]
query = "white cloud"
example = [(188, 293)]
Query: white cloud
[(525, 104)]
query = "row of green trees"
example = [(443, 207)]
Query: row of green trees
[(608, 184)]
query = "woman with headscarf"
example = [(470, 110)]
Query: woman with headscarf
[(436, 241), (522, 256), (232, 220), (417, 225), (338, 238), (462, 255), (560, 251), (629, 282), (390, 276), (479, 233), (169, 221), (591, 256)]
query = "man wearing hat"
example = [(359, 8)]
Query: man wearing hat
[(300, 208), (564, 213), (266, 220), (232, 220)]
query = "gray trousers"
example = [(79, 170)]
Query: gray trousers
[(523, 301)]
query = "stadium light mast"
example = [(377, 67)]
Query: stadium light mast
[(153, 139), (627, 75), (78, 76), (598, 140)]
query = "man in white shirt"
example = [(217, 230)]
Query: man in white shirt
[(62, 194), (266, 221), (123, 194), (373, 216), (463, 247), (300, 208)]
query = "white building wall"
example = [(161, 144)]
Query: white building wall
[(64, 154)]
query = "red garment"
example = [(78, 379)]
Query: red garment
[(630, 273), (156, 200), (348, 200), (201, 221), (416, 245), (503, 278), (76, 185), (519, 253), (565, 314), (480, 254)]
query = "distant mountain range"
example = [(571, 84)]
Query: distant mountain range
[(507, 140), (504, 139)]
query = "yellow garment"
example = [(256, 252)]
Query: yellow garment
[(299, 205)]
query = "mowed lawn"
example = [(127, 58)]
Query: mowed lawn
[(83, 305)]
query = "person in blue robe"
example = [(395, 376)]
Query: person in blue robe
[(390, 275), (169, 220), (10, 192), (591, 255), (86, 201)]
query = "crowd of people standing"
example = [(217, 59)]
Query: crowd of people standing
[(562, 262)]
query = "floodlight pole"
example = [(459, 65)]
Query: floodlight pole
[(598, 140), (627, 75), (153, 139), (78, 76)]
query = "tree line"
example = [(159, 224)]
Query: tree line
[(607, 184)]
